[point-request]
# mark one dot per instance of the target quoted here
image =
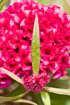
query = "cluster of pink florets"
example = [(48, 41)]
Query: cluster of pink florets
[(16, 30), (36, 83)]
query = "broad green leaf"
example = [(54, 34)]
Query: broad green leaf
[(61, 83), (36, 98), (68, 71), (35, 48), (58, 90), (39, 98), (67, 102), (7, 99), (2, 3), (46, 98), (17, 91), (25, 101), (59, 99), (13, 76)]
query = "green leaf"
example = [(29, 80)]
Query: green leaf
[(58, 90), (67, 102), (35, 48), (65, 5), (2, 3), (7, 99), (12, 1), (45, 2), (36, 98), (68, 71), (17, 91), (25, 101), (46, 98), (69, 51), (39, 98), (59, 99), (61, 83), (13, 76)]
